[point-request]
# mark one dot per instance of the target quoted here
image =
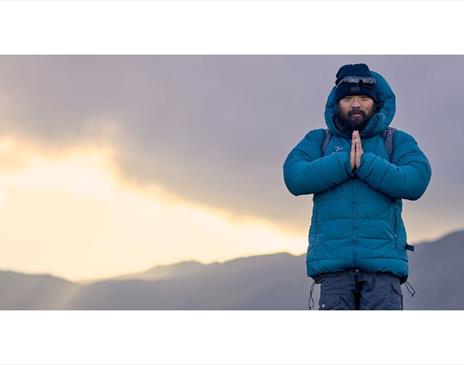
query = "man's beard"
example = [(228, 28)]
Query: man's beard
[(356, 119)]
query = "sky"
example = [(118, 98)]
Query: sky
[(114, 164)]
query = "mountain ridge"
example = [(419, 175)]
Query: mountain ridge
[(271, 281)]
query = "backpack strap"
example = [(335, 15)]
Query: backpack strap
[(388, 140), (327, 137), (387, 137)]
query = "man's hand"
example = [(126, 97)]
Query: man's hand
[(356, 150), (353, 152), (359, 150)]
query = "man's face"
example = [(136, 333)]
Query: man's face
[(355, 110)]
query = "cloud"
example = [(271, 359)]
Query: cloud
[(70, 212), (215, 130)]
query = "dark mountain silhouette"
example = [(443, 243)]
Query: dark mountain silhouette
[(168, 271), (259, 282), (159, 272), (24, 291), (276, 281), (437, 273)]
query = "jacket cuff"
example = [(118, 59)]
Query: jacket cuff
[(345, 159), (367, 159)]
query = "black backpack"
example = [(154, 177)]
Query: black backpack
[(387, 138)]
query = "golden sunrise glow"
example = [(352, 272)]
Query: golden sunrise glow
[(70, 213)]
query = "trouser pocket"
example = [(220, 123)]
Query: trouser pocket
[(398, 296), (336, 291), (381, 291)]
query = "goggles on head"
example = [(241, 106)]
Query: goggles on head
[(366, 81)]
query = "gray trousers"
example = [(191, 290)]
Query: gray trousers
[(357, 289)]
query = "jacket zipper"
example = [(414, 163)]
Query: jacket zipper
[(353, 221)]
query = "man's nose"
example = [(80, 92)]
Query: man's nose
[(355, 102)]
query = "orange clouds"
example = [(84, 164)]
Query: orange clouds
[(70, 213)]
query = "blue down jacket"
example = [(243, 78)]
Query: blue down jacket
[(356, 218)]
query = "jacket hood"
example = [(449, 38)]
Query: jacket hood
[(379, 121)]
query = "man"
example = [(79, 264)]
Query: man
[(357, 239)]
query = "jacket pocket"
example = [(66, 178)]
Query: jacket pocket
[(395, 226), (313, 235), (316, 231)]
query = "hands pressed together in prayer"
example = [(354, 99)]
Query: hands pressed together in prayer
[(356, 151)]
